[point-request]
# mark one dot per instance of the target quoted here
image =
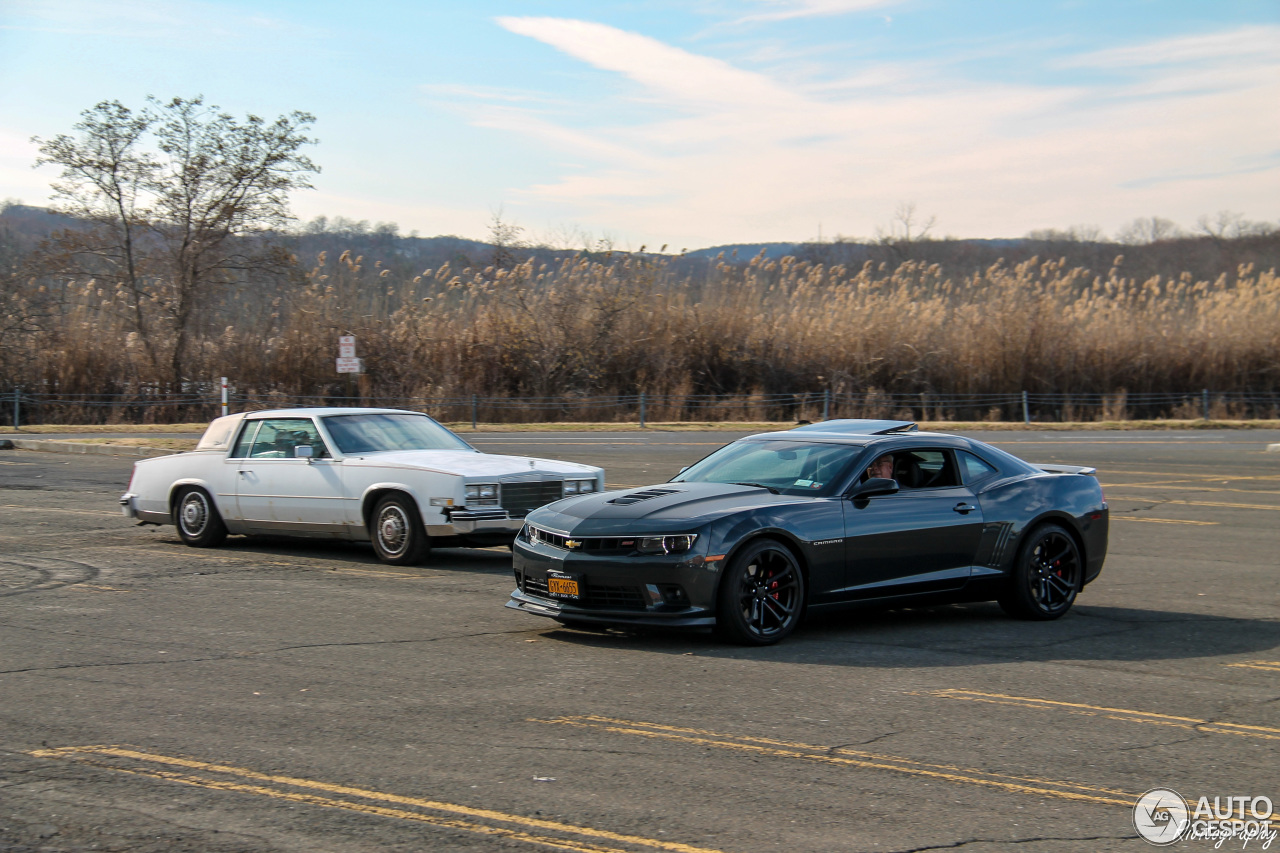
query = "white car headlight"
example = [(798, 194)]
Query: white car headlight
[(482, 493), (570, 487), (579, 487)]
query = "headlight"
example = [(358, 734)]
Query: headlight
[(666, 544), (570, 487), (579, 487), (483, 493)]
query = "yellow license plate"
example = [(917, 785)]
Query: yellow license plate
[(567, 587)]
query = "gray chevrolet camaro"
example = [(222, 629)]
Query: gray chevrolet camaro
[(822, 516)]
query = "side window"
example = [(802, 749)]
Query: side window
[(245, 441), (277, 437), (974, 468), (924, 469)]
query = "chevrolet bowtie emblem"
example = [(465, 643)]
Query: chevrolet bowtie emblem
[(572, 543)]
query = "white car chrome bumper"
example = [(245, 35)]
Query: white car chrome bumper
[(465, 521)]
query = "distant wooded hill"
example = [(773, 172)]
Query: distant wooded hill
[(1204, 255)]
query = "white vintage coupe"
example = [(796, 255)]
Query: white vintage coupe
[(394, 477)]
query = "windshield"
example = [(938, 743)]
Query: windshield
[(786, 467), (381, 432)]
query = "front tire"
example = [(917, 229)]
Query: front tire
[(761, 595), (397, 532), (1046, 577), (198, 522)]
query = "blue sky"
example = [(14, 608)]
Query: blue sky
[(702, 122)]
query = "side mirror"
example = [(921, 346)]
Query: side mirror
[(302, 451), (874, 486), (685, 468)]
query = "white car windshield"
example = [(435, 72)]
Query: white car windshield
[(376, 433)]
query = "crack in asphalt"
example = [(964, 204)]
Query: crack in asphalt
[(957, 844), (831, 750), (254, 654)]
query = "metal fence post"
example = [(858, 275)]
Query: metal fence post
[(225, 410), (641, 410), (16, 398), (1204, 399), (826, 404), (1026, 410), (474, 406)]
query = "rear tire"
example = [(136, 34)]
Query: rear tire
[(761, 595), (1046, 577), (397, 532), (197, 519)]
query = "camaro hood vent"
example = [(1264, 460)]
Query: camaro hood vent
[(647, 494)]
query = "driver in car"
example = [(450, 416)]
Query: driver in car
[(882, 467)]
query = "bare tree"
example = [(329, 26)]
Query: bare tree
[(904, 231), (174, 191), (507, 239), (1149, 229), (1074, 234)]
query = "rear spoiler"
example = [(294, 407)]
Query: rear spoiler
[(1068, 469)]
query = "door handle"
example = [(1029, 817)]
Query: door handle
[(964, 509)]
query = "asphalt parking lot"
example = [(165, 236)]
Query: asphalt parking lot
[(285, 695)]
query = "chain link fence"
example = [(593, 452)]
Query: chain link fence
[(200, 404)]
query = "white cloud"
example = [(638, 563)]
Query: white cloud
[(1232, 45), (196, 23), (736, 155), (781, 10), (669, 72)]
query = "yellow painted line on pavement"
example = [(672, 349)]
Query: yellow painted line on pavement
[(1197, 485), (1190, 477), (1162, 502), (1124, 714), (1265, 665), (248, 781), (1115, 517), (844, 757)]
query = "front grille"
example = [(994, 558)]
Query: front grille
[(594, 544), (520, 498), (598, 596), (614, 597)]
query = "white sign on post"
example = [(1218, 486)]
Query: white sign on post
[(350, 365), (346, 347)]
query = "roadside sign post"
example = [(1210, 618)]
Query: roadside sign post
[(224, 396), (347, 361)]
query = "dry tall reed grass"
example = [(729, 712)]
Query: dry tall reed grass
[(627, 324)]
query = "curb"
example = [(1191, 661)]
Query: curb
[(49, 446)]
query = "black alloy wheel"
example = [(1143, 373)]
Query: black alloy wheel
[(199, 524), (397, 532), (761, 595), (1047, 576)]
